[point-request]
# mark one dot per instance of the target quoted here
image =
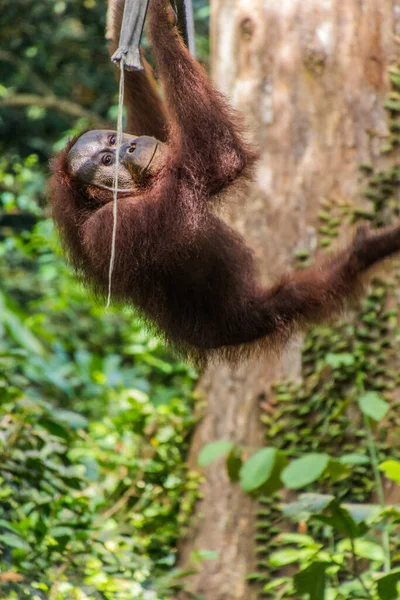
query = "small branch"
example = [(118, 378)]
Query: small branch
[(130, 492), (61, 104)]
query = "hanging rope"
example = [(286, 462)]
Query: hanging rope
[(115, 180)]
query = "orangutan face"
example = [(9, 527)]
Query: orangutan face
[(92, 159)]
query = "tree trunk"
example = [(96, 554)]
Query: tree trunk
[(310, 78)]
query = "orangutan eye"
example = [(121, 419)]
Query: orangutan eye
[(107, 159), (112, 140)]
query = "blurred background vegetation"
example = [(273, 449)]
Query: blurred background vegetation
[(95, 414)]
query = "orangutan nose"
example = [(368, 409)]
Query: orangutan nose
[(139, 151), (128, 148)]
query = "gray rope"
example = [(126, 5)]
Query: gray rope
[(115, 181)]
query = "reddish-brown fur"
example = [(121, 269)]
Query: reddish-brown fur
[(189, 273)]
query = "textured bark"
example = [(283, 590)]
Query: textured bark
[(310, 78)]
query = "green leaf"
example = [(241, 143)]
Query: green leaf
[(373, 406), (285, 557), (55, 428), (387, 585), (336, 470), (73, 419), (234, 463), (392, 105), (369, 550), (394, 77), (7, 525), (339, 360), (257, 470), (362, 512), (300, 539), (62, 531), (311, 580), (306, 505), (92, 467), (213, 450), (21, 334), (391, 468), (275, 583), (305, 470), (274, 481), (14, 541), (197, 556), (364, 549), (354, 459), (340, 520)]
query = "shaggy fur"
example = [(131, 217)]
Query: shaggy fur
[(188, 273)]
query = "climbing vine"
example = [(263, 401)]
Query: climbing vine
[(318, 415)]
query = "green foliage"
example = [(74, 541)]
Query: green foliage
[(320, 416), (387, 585), (347, 567), (373, 406), (312, 580), (258, 469), (213, 450), (304, 470), (262, 471), (340, 520), (391, 469), (234, 464), (95, 419)]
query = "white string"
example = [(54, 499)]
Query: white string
[(115, 180)]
